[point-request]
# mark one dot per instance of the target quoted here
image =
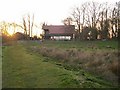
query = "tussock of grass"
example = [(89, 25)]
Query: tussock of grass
[(100, 62)]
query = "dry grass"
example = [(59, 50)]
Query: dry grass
[(100, 62)]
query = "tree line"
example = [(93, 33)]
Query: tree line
[(26, 27), (94, 20)]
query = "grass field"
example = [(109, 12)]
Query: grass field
[(47, 65), (0, 62)]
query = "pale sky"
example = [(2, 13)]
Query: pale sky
[(50, 11)]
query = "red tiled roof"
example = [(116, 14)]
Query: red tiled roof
[(60, 29)]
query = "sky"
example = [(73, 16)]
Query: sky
[(50, 11)]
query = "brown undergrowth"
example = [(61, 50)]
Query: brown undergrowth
[(103, 63)]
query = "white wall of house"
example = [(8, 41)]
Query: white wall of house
[(61, 37)]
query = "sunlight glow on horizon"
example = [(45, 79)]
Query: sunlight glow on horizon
[(50, 11)]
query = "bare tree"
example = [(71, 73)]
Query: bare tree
[(68, 21), (32, 24), (83, 13), (28, 23), (116, 20), (93, 9), (15, 25), (4, 27), (87, 15), (25, 27), (76, 17)]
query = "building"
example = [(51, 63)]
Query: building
[(59, 32)]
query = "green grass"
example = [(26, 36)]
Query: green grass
[(82, 45), (0, 62), (94, 56), (23, 68)]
